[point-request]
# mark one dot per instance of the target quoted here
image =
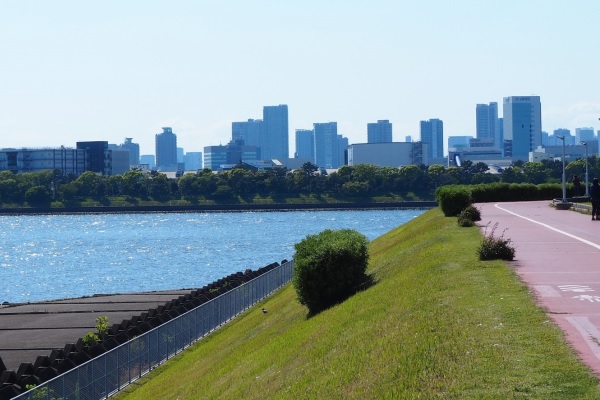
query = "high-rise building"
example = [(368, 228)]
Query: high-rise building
[(274, 143), (193, 160), (379, 132), (584, 134), (249, 131), (325, 144), (166, 150), (305, 144), (486, 116), (522, 126), (432, 133), (134, 150), (330, 148)]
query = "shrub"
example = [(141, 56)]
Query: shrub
[(471, 212), (453, 199), (102, 325), (90, 339), (496, 248), (464, 221), (329, 267)]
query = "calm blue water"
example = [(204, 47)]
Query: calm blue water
[(50, 257)]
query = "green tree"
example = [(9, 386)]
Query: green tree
[(38, 196)]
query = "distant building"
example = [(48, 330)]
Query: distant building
[(193, 160), (215, 156), (329, 146), (134, 150), (235, 152), (305, 144), (379, 132), (486, 116), (432, 133), (166, 150), (68, 160), (395, 154), (584, 134), (275, 141), (148, 159), (522, 126), (458, 141), (97, 157), (249, 131)]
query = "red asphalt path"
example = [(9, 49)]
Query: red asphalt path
[(558, 257)]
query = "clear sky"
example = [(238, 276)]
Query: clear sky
[(73, 70)]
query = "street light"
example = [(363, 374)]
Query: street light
[(587, 189), (564, 179)]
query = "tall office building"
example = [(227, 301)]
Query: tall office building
[(379, 132), (326, 144), (305, 144), (486, 116), (522, 126), (166, 150), (134, 150), (274, 142), (193, 160), (584, 134), (248, 131), (432, 133), (330, 148)]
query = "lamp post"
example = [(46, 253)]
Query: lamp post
[(564, 178), (587, 188)]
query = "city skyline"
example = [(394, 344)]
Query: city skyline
[(86, 72)]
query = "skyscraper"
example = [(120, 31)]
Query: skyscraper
[(134, 150), (379, 132), (274, 142), (584, 134), (305, 144), (249, 131), (486, 116), (166, 150), (522, 126), (432, 133), (326, 144)]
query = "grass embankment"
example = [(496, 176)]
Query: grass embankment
[(438, 323)]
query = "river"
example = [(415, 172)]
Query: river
[(49, 257)]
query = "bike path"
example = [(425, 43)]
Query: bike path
[(558, 257)]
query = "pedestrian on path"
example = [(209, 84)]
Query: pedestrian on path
[(576, 185), (595, 199)]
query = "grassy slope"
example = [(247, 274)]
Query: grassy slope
[(438, 323)]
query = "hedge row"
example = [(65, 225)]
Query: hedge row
[(452, 199)]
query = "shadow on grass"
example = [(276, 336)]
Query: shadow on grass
[(367, 282)]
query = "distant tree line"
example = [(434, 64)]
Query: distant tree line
[(360, 181)]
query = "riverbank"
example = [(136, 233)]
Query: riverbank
[(438, 323), (221, 208)]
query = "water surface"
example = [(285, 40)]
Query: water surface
[(47, 257)]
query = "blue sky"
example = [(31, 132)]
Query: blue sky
[(76, 70)]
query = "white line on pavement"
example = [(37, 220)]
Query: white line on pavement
[(582, 240)]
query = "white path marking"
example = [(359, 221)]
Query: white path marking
[(582, 240), (588, 331)]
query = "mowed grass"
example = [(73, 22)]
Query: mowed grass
[(437, 324)]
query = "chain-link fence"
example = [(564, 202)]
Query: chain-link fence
[(117, 368)]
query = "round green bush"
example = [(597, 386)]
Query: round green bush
[(329, 267)]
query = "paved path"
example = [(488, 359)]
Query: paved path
[(558, 256)]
